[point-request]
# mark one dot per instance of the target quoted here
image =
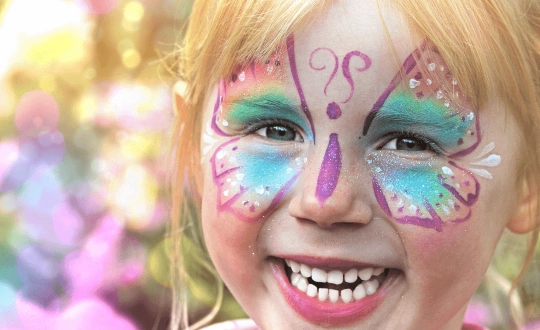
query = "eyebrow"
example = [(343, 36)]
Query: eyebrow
[(402, 110), (266, 105)]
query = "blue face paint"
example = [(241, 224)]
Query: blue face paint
[(268, 167)]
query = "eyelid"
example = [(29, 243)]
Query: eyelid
[(435, 148), (259, 124)]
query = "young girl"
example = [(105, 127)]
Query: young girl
[(353, 164)]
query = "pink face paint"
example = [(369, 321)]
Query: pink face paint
[(319, 68), (347, 71), (333, 109), (425, 101), (330, 170), (296, 79), (252, 178)]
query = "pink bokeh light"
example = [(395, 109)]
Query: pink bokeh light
[(37, 113), (98, 7)]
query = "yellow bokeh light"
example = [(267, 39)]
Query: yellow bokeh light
[(125, 44), (85, 109), (61, 47), (158, 262), (131, 58), (139, 146), (47, 83), (90, 73), (133, 11), (133, 195)]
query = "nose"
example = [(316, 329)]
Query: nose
[(326, 197)]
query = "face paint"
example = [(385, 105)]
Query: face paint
[(330, 170), (265, 105), (331, 164), (426, 102), (296, 79), (333, 108), (252, 173), (252, 179)]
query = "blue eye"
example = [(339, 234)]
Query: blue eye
[(280, 133)]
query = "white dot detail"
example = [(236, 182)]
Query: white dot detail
[(446, 170), (413, 83)]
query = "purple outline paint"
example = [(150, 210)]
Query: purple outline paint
[(474, 146), (471, 198), (219, 101), (408, 65), (333, 110), (233, 204), (330, 170), (334, 71), (347, 71), (294, 72)]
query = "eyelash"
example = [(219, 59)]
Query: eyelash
[(256, 125), (434, 147)]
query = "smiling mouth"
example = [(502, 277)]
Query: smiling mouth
[(335, 285), (332, 292)]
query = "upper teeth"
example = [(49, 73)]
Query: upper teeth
[(302, 272), (333, 276)]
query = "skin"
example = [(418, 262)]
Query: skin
[(442, 261)]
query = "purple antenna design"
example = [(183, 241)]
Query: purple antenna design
[(330, 170)]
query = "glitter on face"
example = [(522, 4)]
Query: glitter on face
[(330, 170), (435, 191), (252, 173)]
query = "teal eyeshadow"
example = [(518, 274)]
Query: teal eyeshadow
[(402, 112), (266, 106)]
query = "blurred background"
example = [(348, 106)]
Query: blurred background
[(85, 114)]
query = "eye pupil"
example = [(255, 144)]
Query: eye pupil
[(411, 144), (281, 133)]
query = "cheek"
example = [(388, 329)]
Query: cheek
[(427, 195), (230, 243), (251, 179)]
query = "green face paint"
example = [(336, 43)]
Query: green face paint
[(430, 118), (265, 106)]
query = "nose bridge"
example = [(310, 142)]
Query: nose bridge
[(329, 187)]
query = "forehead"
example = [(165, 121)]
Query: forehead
[(354, 46), (345, 63)]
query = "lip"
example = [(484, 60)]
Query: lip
[(325, 313)]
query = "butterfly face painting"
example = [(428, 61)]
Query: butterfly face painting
[(332, 157)]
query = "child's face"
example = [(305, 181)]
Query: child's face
[(388, 191)]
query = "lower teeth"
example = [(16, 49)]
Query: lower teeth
[(366, 288)]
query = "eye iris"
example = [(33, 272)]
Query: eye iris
[(411, 144), (280, 133)]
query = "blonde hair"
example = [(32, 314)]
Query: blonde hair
[(491, 46)]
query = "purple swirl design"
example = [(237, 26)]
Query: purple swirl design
[(347, 71), (334, 71)]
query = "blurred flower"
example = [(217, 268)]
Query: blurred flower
[(88, 314), (51, 36), (37, 113), (131, 107), (133, 194), (479, 313), (40, 145), (98, 7), (108, 258)]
